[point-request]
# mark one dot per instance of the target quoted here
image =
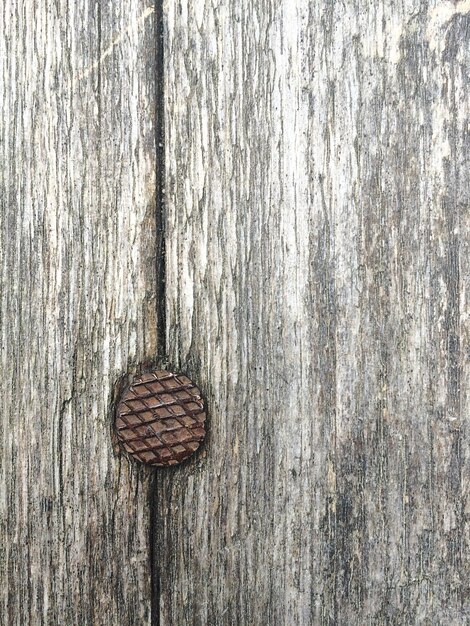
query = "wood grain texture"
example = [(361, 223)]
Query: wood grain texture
[(77, 110), (317, 289)]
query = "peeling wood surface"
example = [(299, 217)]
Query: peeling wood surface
[(317, 243), (77, 255)]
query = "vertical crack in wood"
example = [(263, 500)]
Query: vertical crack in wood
[(160, 282), (154, 570), (160, 183)]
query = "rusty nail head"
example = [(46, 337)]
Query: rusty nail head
[(160, 418)]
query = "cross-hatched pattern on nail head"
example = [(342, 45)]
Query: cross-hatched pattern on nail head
[(160, 419)]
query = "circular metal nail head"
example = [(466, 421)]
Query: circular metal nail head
[(160, 418)]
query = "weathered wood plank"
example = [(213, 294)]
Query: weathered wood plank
[(77, 104), (317, 288)]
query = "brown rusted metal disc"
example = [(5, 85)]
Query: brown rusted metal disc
[(160, 418)]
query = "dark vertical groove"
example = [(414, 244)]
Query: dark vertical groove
[(160, 219), (160, 182), (154, 569)]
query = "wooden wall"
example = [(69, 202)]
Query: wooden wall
[(301, 251)]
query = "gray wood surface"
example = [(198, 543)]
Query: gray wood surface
[(77, 257), (317, 288)]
